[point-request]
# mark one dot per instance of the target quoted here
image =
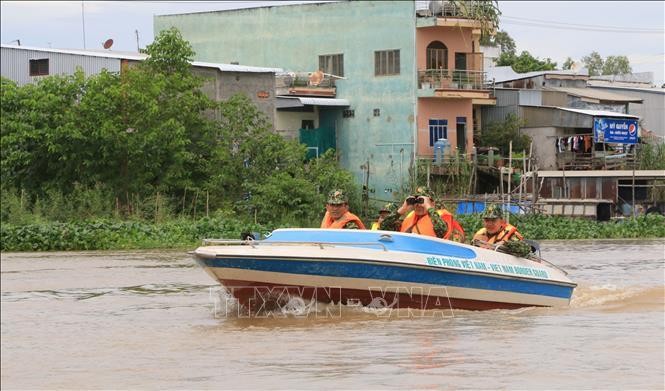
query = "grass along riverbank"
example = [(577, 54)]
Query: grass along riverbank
[(109, 234)]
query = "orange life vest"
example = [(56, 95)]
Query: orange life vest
[(455, 231), (502, 235), (346, 218), (424, 225)]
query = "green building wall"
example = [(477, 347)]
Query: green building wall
[(293, 36)]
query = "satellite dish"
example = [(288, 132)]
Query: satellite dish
[(108, 43)]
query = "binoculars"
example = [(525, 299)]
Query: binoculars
[(413, 200)]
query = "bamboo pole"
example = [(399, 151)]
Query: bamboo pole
[(184, 196), (196, 199), (510, 177), (633, 187), (519, 199)]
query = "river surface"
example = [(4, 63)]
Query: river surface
[(155, 320)]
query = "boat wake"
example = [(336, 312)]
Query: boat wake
[(285, 305), (604, 297), (615, 298)]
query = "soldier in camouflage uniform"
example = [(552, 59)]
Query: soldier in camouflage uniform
[(383, 213), (337, 213), (496, 232), (424, 220)]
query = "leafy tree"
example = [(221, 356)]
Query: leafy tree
[(594, 63), (138, 132), (616, 65), (525, 62), (612, 65), (150, 133), (169, 53), (485, 11), (500, 39), (568, 64), (500, 134)]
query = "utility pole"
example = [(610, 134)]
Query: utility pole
[(83, 22), (138, 49)]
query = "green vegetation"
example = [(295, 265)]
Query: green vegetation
[(500, 134), (146, 145), (501, 39), (525, 62), (485, 11), (103, 234), (540, 227), (144, 159), (612, 65)]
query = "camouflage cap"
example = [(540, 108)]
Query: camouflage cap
[(423, 191), (389, 207), (492, 211), (337, 197)]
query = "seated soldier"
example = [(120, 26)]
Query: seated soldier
[(418, 214), (337, 213), (497, 233), (383, 212)]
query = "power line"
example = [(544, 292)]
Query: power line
[(575, 26)]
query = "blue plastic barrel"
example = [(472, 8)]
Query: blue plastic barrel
[(441, 150)]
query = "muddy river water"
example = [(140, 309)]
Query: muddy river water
[(154, 320)]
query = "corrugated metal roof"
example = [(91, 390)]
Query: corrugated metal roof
[(141, 57), (594, 94), (601, 173), (297, 101), (506, 73), (599, 113), (236, 68), (93, 53), (654, 90)]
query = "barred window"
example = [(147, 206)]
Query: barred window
[(39, 67), (386, 62), (332, 64)]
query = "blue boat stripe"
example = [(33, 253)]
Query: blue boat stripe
[(391, 273)]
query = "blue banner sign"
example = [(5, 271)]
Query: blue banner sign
[(615, 130)]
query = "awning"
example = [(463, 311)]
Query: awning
[(596, 96), (599, 113), (297, 101)]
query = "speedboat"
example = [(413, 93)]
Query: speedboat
[(381, 268)]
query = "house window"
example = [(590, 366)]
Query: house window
[(461, 134), (386, 62), (437, 55), (332, 64), (460, 61), (39, 67), (438, 128), (307, 124)]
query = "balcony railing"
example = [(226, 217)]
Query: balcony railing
[(451, 9), (452, 79), (305, 83)]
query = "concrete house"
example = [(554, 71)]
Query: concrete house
[(403, 78), (24, 65), (652, 108), (556, 106), (584, 141)]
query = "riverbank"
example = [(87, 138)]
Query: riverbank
[(107, 234)]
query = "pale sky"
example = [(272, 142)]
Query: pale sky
[(554, 29)]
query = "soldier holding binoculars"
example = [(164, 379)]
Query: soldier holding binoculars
[(418, 214), (424, 220)]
